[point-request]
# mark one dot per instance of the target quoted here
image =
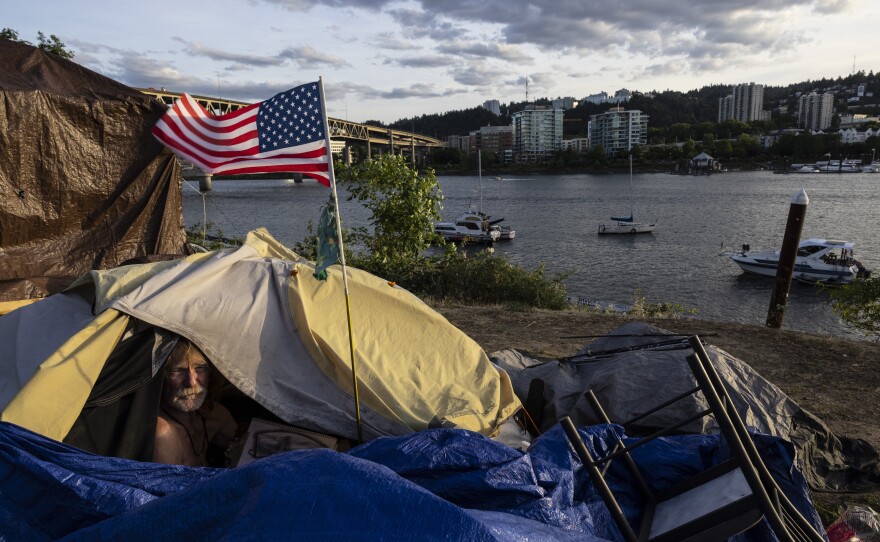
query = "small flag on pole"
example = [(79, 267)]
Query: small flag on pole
[(328, 241), (282, 134)]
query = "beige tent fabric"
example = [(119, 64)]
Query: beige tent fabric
[(53, 397), (410, 359), (281, 337)]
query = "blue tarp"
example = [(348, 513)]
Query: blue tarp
[(442, 484)]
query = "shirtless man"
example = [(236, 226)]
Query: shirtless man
[(187, 423)]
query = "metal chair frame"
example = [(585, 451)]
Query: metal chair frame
[(763, 500)]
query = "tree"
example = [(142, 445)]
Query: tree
[(52, 44), (724, 149), (858, 304), (403, 206), (688, 149)]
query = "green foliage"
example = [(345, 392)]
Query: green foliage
[(455, 277), (52, 44), (198, 234), (642, 308), (458, 122), (858, 304), (10, 34), (403, 206)]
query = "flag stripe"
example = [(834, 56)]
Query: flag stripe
[(183, 130), (282, 134), (222, 124)]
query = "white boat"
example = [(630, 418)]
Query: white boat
[(475, 225), (626, 224), (817, 260), (470, 228), (838, 166), (873, 167), (506, 233), (805, 168)]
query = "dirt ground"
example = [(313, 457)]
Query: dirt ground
[(836, 379)]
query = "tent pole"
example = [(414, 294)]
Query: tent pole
[(354, 378)]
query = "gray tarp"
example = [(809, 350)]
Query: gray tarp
[(628, 383)]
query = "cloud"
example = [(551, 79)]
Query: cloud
[(307, 57), (420, 90), (478, 74), (340, 91), (434, 61), (261, 61), (387, 40), (489, 50), (416, 24), (142, 71)]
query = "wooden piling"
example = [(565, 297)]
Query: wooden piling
[(787, 257)]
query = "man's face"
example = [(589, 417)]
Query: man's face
[(186, 378)]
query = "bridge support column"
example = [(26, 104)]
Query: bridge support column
[(205, 181)]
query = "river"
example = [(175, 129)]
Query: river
[(556, 218)]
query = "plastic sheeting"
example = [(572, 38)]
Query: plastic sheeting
[(630, 382), (442, 484), (83, 184)]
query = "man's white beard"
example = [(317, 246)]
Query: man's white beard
[(188, 399)]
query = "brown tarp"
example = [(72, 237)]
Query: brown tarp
[(83, 183)]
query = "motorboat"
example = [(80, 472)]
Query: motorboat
[(873, 167), (838, 166), (469, 228), (817, 260), (805, 168), (474, 225), (626, 224), (471, 217)]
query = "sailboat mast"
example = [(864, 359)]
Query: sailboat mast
[(480, 177), (631, 215)]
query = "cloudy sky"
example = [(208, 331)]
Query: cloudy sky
[(387, 60)]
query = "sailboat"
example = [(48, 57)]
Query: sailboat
[(627, 224), (478, 224)]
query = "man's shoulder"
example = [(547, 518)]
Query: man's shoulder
[(167, 447)]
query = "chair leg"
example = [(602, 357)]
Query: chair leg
[(584, 455), (784, 508)]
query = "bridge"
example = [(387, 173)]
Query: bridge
[(351, 140)]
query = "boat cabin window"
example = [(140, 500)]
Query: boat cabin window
[(810, 250), (468, 225)]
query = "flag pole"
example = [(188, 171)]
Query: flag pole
[(354, 378)]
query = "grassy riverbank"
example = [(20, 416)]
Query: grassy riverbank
[(834, 378)]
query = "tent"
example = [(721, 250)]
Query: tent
[(637, 365), (85, 185), (82, 365)]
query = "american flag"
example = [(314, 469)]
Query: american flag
[(283, 133)]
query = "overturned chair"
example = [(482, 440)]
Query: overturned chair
[(718, 503)]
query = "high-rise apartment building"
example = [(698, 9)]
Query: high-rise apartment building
[(745, 103), (618, 130), (537, 132), (815, 111), (493, 106)]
